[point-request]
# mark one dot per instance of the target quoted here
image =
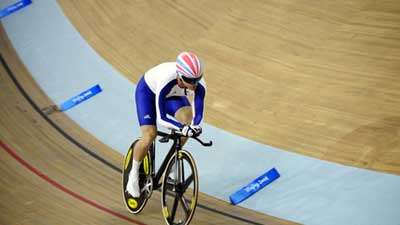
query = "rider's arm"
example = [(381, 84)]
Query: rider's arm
[(198, 106), (162, 118)]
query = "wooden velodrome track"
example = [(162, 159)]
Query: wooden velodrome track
[(53, 172), (319, 80)]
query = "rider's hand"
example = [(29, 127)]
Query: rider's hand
[(191, 130), (197, 129)]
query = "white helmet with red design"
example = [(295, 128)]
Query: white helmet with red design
[(189, 67)]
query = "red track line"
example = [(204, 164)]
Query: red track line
[(62, 188)]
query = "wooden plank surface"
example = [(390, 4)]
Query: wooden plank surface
[(46, 177), (318, 78)]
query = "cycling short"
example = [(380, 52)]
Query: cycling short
[(146, 104)]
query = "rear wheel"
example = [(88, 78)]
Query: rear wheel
[(180, 189), (136, 205)]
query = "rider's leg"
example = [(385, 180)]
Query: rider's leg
[(185, 116), (149, 133), (146, 113)]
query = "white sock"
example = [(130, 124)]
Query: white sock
[(134, 174), (133, 181)]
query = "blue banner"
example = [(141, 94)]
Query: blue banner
[(254, 186), (80, 98), (14, 7)]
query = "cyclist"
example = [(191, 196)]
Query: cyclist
[(161, 94)]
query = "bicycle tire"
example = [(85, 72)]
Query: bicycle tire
[(184, 194)]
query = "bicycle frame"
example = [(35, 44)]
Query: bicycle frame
[(156, 180), (176, 146)]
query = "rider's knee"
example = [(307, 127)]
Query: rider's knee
[(187, 119), (185, 116), (149, 136)]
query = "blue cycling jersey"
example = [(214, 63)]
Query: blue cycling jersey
[(158, 95)]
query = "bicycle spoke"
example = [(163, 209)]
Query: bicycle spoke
[(184, 205), (174, 207), (187, 182)]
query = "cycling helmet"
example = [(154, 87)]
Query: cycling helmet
[(189, 67)]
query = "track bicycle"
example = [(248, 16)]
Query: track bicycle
[(177, 177)]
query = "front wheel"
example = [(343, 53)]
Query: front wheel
[(180, 189)]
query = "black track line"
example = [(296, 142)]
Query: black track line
[(88, 151)]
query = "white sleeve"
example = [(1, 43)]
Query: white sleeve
[(161, 107)]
